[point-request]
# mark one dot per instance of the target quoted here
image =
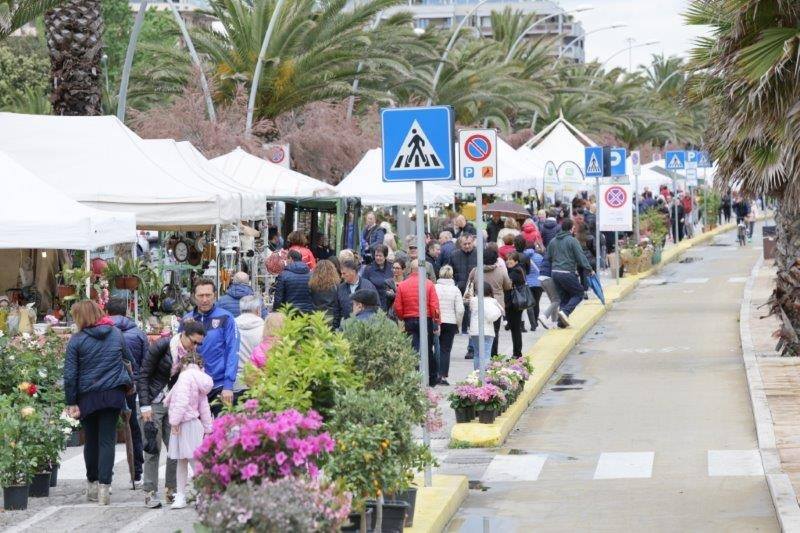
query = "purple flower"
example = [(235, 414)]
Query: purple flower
[(250, 470), (251, 405)]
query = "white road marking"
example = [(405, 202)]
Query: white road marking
[(653, 281), (515, 468), (75, 467), (148, 516), (696, 280), (735, 463), (737, 280), (38, 517), (625, 465)]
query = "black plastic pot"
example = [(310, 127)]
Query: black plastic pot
[(486, 416), (394, 516), (54, 477), (74, 439), (410, 497), (355, 521), (465, 414), (40, 486), (15, 498)]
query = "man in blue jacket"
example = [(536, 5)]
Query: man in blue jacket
[(291, 286), (240, 287), (220, 348), (138, 345)]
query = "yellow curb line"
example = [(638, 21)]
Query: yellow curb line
[(437, 504), (551, 349)]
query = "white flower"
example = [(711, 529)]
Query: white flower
[(26, 336), (11, 357), (42, 373), (1, 334)]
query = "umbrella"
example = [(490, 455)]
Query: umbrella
[(594, 283), (126, 416), (510, 209)]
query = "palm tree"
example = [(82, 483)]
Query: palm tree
[(748, 72), (15, 14), (74, 41)]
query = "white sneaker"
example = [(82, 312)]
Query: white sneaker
[(180, 501)]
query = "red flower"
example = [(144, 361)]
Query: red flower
[(32, 389)]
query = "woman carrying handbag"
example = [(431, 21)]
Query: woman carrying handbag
[(518, 299)]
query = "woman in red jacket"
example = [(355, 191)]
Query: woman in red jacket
[(406, 307), (297, 241)]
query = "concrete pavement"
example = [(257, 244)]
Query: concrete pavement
[(646, 426)]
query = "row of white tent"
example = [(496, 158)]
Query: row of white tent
[(86, 182)]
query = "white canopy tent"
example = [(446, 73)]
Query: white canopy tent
[(99, 162), (365, 181), (36, 215), (275, 181), (182, 159), (515, 172)]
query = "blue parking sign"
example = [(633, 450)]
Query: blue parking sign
[(417, 143), (593, 161), (617, 159)]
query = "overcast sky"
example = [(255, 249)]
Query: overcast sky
[(647, 21)]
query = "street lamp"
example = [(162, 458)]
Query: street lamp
[(627, 48), (661, 85), (361, 65), (251, 103), (581, 37), (449, 46), (513, 48)]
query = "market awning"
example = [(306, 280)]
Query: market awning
[(36, 215), (99, 162)]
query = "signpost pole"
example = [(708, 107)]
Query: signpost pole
[(636, 199), (597, 227), (674, 205), (616, 252), (479, 281), (423, 312)]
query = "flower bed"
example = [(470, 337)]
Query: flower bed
[(502, 385)]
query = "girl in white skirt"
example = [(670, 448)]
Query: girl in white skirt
[(189, 417)]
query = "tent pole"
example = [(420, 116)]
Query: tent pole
[(218, 258), (136, 292), (88, 266)]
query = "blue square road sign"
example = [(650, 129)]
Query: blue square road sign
[(675, 160), (617, 159), (417, 143), (593, 161)]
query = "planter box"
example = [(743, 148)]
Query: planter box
[(487, 416), (15, 498), (465, 414), (40, 486)]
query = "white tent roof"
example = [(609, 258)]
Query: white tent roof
[(516, 171), (182, 158), (35, 215), (558, 142), (365, 181), (99, 162), (273, 180)]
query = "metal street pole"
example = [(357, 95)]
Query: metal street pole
[(251, 104), (675, 205), (636, 234), (122, 100), (212, 116), (352, 101), (597, 227), (478, 290), (423, 313)]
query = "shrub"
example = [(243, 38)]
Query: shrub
[(290, 504), (307, 366), (251, 447), (18, 423)]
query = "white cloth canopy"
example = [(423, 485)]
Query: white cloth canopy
[(515, 172), (559, 142), (365, 181), (35, 215), (275, 181), (183, 159), (99, 162)]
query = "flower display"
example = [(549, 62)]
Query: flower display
[(254, 447)]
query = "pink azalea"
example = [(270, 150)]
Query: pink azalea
[(249, 471)]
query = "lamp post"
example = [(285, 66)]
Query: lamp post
[(661, 85), (627, 48), (358, 70), (582, 37), (513, 48)]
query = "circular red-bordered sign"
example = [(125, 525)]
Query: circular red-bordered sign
[(616, 196), (277, 154), (477, 148)]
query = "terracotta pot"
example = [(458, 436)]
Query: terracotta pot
[(130, 283), (62, 291)]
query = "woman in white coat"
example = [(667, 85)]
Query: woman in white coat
[(451, 308)]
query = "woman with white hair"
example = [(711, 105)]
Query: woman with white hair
[(451, 307), (389, 240), (250, 326)]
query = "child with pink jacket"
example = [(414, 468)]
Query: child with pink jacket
[(189, 417)]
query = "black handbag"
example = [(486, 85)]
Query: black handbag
[(521, 298)]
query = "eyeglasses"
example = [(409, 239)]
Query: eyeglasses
[(397, 268)]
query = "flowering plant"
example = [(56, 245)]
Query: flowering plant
[(464, 395), (248, 446), (287, 504), (433, 420), (17, 456), (489, 397)]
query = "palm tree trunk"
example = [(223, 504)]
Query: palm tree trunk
[(786, 297), (74, 41)]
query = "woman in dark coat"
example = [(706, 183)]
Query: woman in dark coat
[(516, 273), (95, 384), (379, 272), (323, 283)]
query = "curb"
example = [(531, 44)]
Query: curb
[(780, 486), (437, 504), (550, 350)]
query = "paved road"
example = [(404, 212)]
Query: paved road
[(647, 426)]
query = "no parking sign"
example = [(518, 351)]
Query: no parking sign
[(477, 158), (616, 211)]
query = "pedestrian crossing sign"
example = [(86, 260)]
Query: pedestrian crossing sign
[(593, 161), (417, 143), (675, 160)]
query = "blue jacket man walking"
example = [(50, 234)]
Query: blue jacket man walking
[(239, 288), (220, 348)]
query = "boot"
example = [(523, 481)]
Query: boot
[(91, 491), (103, 494)]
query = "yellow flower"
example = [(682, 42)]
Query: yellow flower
[(27, 411), (384, 444), (23, 387)]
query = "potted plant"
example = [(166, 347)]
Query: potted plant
[(490, 399), (73, 285), (462, 400), (16, 461), (125, 273)]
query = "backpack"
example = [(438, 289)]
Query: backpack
[(686, 202)]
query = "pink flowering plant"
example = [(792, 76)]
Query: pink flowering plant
[(434, 420), (489, 397), (464, 395), (252, 447)]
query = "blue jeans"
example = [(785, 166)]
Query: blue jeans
[(570, 290), (487, 350)]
